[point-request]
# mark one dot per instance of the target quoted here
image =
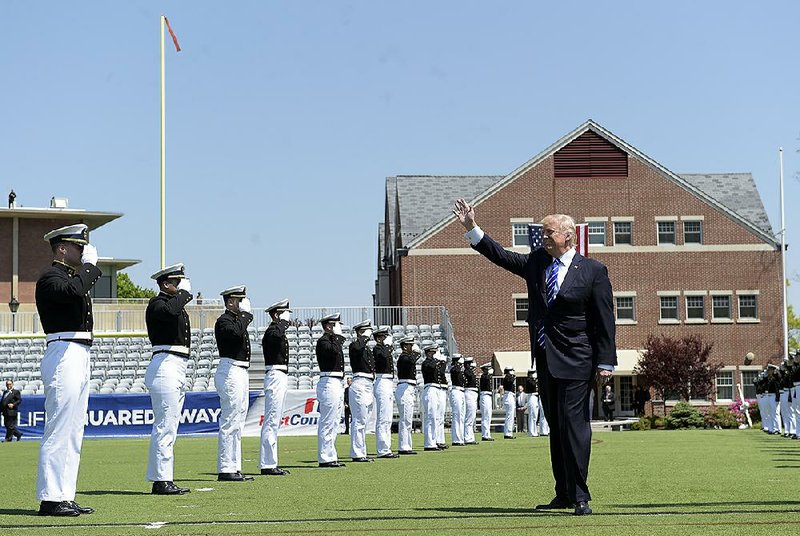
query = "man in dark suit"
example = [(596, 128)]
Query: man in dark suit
[(571, 327), (9, 402)]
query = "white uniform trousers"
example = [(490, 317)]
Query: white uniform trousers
[(383, 388), (330, 401), (470, 409), (406, 396), (65, 375), (486, 414), (458, 409), (533, 414), (165, 378), (275, 385), (440, 411), (510, 406), (544, 428), (775, 408), (795, 407), (430, 401), (785, 414), (361, 400), (233, 386), (767, 411)]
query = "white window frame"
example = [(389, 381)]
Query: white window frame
[(727, 372), (625, 321), (675, 296), (695, 294), (514, 226), (596, 234), (746, 294), (722, 319), (692, 221), (516, 298), (663, 220), (630, 233)]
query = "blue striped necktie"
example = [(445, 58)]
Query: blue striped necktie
[(552, 290)]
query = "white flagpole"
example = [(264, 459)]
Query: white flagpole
[(163, 156), (783, 266)]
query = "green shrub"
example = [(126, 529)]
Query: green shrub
[(642, 424), (684, 415), (721, 417), (659, 423)]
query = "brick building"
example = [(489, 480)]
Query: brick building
[(689, 253)]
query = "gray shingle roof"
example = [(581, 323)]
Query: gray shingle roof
[(736, 191)]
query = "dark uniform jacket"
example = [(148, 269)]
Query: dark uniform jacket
[(361, 358), (429, 372), (486, 383), (509, 383), (470, 380), (167, 320), (773, 385), (330, 355), (441, 372), (384, 364), (275, 344), (62, 297), (407, 367), (14, 397), (530, 385), (231, 334), (457, 375)]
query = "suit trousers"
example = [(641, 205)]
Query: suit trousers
[(232, 383), (330, 401), (533, 414), (11, 427), (458, 408), (165, 378), (510, 406), (65, 375), (566, 407), (275, 385), (406, 396), (486, 414), (361, 401), (384, 410), (430, 402), (470, 410)]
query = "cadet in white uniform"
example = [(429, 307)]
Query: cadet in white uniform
[(65, 310), (430, 397), (470, 400), (361, 390), (330, 389), (232, 381), (406, 393), (509, 402), (457, 401), (383, 390), (170, 334), (486, 401)]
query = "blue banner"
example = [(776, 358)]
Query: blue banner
[(121, 415)]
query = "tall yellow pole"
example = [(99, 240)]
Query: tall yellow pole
[(163, 155)]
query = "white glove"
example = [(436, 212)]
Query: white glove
[(286, 315), (367, 333), (89, 255), (186, 285), (416, 349), (337, 328), (245, 306), (388, 341)]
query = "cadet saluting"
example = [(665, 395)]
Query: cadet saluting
[(406, 393), (330, 389), (470, 400), (509, 401), (361, 398), (276, 359), (65, 309), (170, 334), (232, 381), (383, 387), (430, 397), (457, 401)]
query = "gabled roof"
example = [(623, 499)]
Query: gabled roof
[(744, 211)]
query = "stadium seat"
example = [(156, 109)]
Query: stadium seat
[(106, 390)]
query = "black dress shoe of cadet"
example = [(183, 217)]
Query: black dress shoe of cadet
[(363, 460), (407, 452), (509, 437), (54, 508), (471, 443), (167, 487), (458, 444), (582, 509), (487, 439), (556, 504), (331, 464), (274, 471), (233, 477), (432, 449), (81, 509), (442, 446), (389, 455)]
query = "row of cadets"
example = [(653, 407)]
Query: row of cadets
[(537, 424), (768, 394)]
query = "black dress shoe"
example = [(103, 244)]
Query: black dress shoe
[(363, 460), (458, 444), (233, 477), (471, 443), (389, 455), (582, 509), (509, 437), (81, 509), (167, 487), (53, 508), (432, 449), (487, 439), (274, 471), (406, 452), (556, 504), (331, 464), (442, 446)]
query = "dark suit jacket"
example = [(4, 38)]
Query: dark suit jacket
[(14, 398), (579, 326)]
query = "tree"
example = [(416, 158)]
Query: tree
[(793, 322), (678, 366), (128, 289)]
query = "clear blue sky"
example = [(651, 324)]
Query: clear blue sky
[(284, 118)]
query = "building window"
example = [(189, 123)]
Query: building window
[(625, 308), (749, 390), (666, 232), (102, 288), (623, 233), (520, 234), (721, 307), (597, 233), (725, 385), (695, 308), (669, 308), (693, 232), (748, 306), (521, 309)]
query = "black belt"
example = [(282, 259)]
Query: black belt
[(84, 342)]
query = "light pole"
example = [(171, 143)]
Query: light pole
[(13, 305)]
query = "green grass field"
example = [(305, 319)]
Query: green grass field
[(658, 482)]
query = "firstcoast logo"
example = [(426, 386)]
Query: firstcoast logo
[(303, 419)]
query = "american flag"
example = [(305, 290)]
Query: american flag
[(581, 237)]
